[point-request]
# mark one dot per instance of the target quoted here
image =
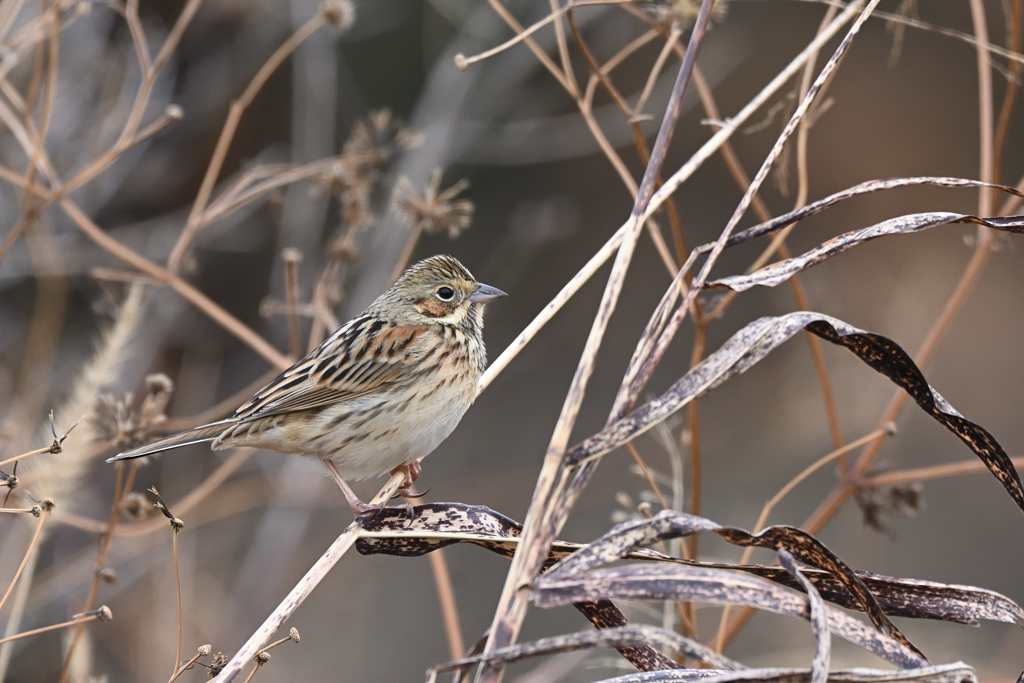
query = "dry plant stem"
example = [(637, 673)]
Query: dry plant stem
[(523, 35), (54, 627), (53, 54), (585, 106), (986, 195), (29, 454), (8, 13), (842, 493), (725, 627), (258, 182), (761, 174), (854, 479), (37, 152), (641, 367), (93, 169), (732, 161), (253, 672), (152, 70), (647, 476), (563, 50), (686, 613), (992, 49), (690, 546), (324, 317), (106, 159), (599, 73), (187, 291), (303, 588), (1010, 98), (954, 469), (227, 134), (48, 316), (805, 123), (543, 519), (446, 598), (177, 579), (219, 410), (291, 288), (633, 117), (194, 497), (184, 667), (124, 480), (671, 185), (24, 138), (848, 487), (273, 645), (762, 519), (28, 553), (671, 45), (796, 284), (403, 263), (97, 166), (687, 625)]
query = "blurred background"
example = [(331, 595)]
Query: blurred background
[(545, 198)]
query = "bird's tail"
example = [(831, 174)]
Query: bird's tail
[(198, 435)]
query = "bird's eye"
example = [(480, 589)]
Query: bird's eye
[(445, 293)]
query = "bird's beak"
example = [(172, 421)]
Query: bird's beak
[(485, 293)]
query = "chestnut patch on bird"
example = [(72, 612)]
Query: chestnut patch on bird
[(433, 308)]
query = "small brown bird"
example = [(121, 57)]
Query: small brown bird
[(381, 393)]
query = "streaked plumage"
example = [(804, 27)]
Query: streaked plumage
[(382, 392)]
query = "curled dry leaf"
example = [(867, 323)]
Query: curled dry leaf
[(621, 637), (685, 583), (818, 617), (756, 340), (437, 525), (781, 271), (947, 673), (813, 208)]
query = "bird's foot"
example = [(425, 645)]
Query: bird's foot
[(412, 472), (359, 508)]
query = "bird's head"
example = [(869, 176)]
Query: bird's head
[(439, 290)]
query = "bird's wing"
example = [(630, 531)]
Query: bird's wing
[(361, 357)]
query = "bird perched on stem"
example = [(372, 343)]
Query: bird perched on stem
[(380, 393)]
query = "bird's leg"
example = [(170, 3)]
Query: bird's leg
[(358, 506), (412, 471)]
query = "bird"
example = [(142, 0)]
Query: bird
[(380, 393)]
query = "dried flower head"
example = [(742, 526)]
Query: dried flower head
[(338, 14), (136, 506), (437, 210), (351, 182), (380, 136), (343, 249), (119, 422), (877, 503), (220, 660)]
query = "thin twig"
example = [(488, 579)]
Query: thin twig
[(78, 621), (449, 610), (542, 520), (227, 134), (28, 553)]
